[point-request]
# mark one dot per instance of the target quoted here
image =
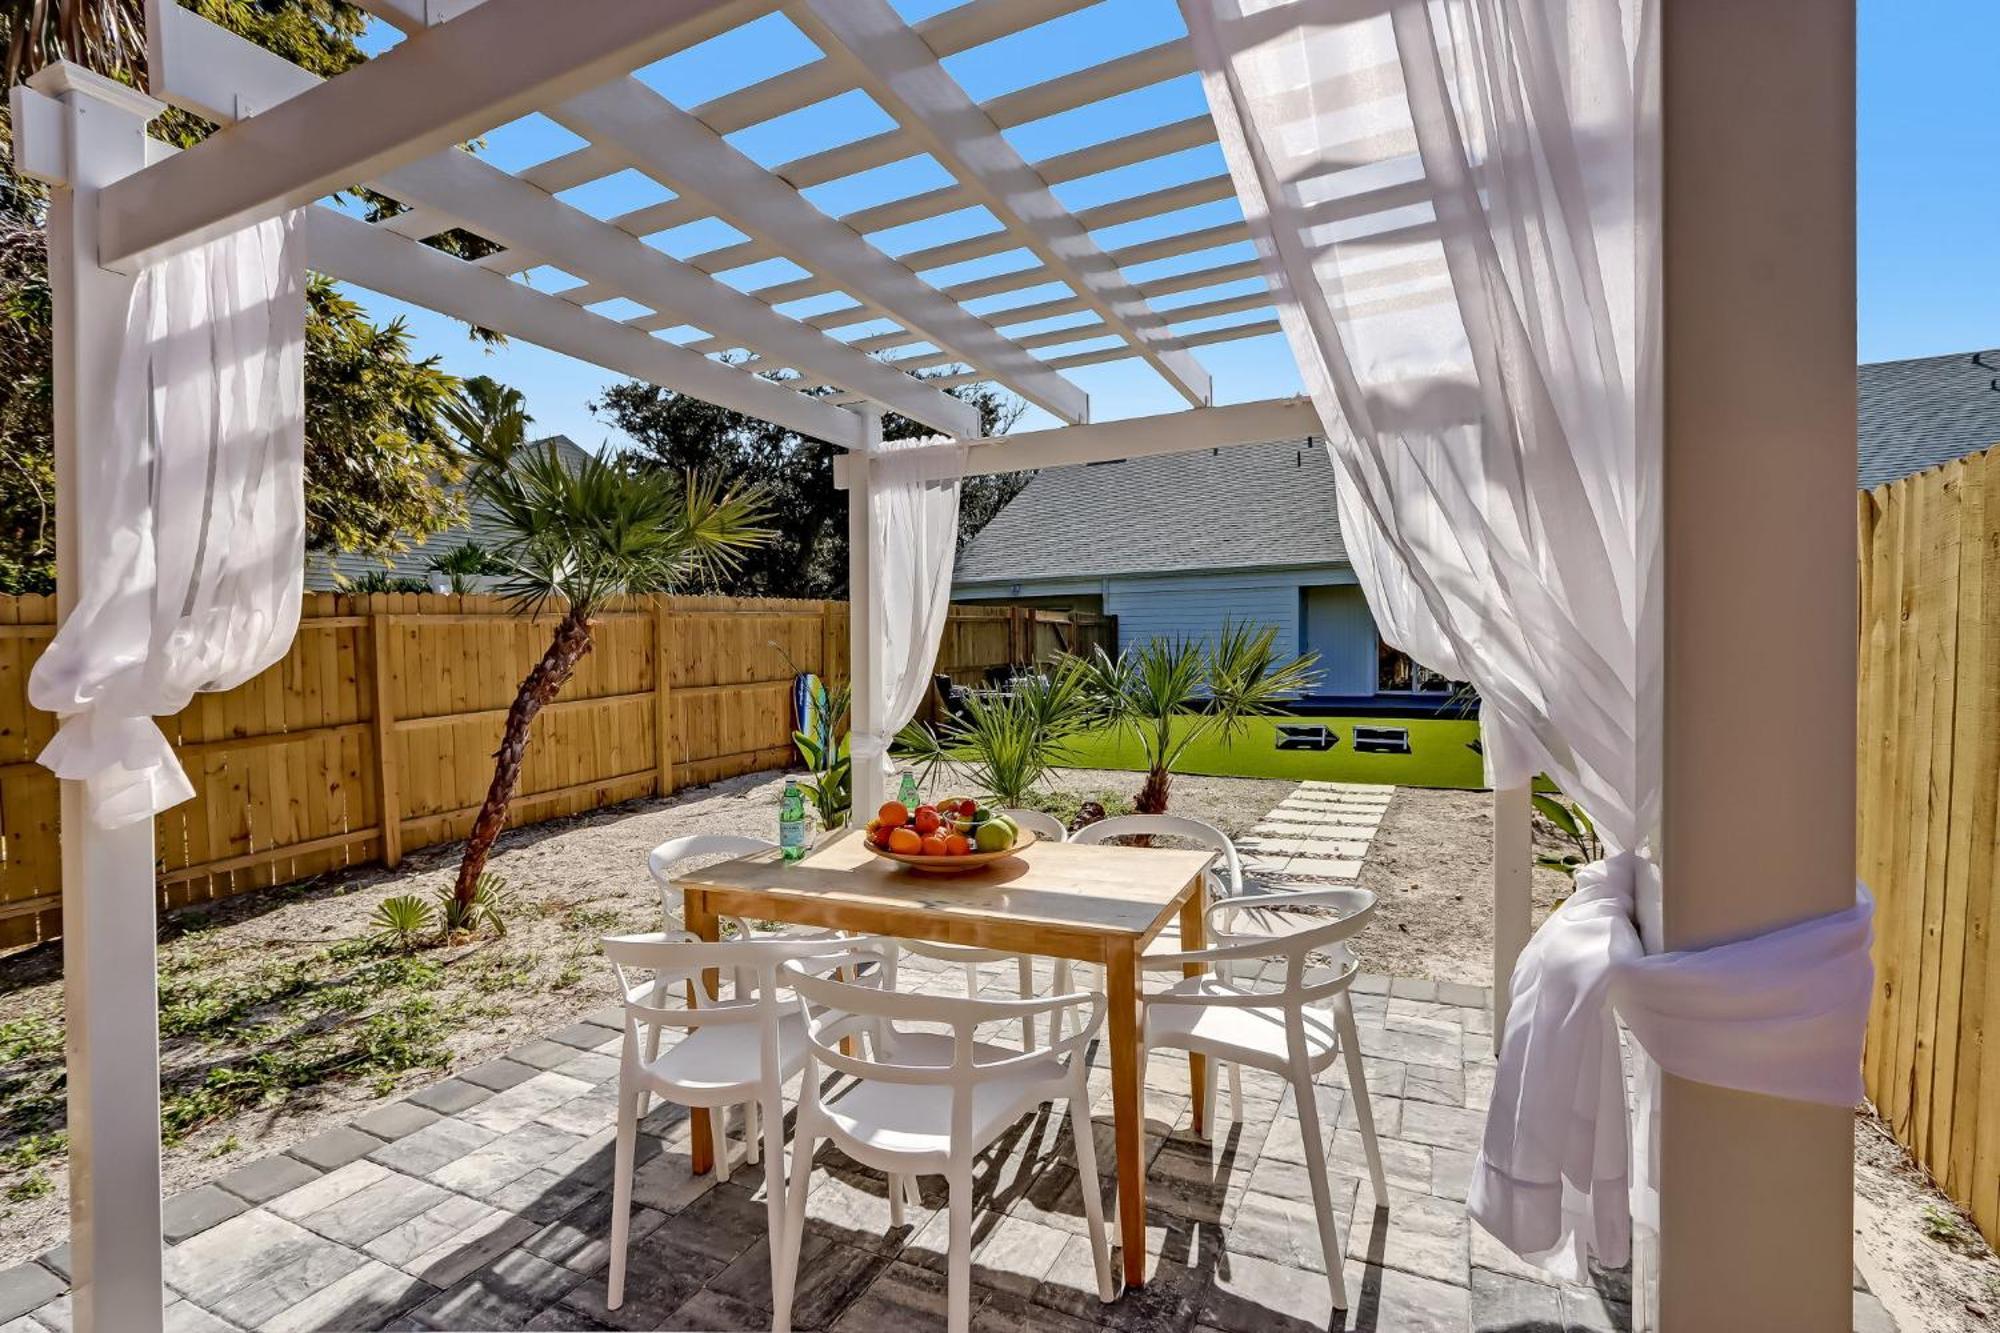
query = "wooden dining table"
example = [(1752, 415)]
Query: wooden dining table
[(1091, 903)]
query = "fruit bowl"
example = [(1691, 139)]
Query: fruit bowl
[(954, 865)]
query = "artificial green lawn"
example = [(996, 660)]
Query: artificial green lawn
[(1439, 753)]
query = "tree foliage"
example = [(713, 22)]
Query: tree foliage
[(379, 460), (807, 553), (574, 534)]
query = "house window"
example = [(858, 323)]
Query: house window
[(1395, 673)]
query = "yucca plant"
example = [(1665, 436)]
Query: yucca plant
[(1008, 742), (1171, 692), (402, 922), (575, 534)]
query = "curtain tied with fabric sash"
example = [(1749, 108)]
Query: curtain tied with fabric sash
[(1456, 205)]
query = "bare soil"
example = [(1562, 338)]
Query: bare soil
[(1431, 867), (1921, 1254)]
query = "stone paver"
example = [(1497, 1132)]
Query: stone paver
[(268, 1177), (395, 1120), (25, 1286), (336, 1147), (451, 1096), (196, 1210)]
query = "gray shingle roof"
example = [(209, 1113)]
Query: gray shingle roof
[(326, 573), (1920, 413), (1254, 505)]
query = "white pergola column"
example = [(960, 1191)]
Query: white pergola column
[(1759, 610), (864, 612), (110, 983), (1513, 892)]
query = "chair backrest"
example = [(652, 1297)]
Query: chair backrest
[(1171, 826), (1296, 945), (663, 858), (650, 967), (835, 1009), (1044, 826)]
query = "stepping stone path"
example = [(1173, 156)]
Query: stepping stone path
[(1320, 834)]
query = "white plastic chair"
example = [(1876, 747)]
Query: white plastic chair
[(1225, 882), (742, 1049), (928, 1102), (669, 854), (661, 863), (1277, 1029), (1049, 829)]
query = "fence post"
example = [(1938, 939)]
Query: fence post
[(663, 699), (388, 777)]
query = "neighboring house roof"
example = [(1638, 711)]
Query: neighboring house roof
[(1919, 413), (1250, 506), (324, 573)]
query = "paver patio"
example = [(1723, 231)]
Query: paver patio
[(483, 1203)]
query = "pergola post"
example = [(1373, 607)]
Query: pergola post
[(864, 612), (110, 982), (1757, 108), (1513, 892)]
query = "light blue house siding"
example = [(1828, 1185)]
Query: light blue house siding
[(1176, 545), (1318, 610)]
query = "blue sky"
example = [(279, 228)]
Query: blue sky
[(1929, 191)]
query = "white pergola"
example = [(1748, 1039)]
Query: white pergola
[(1759, 301)]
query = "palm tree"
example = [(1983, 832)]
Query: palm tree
[(108, 36), (1008, 742), (1172, 692), (577, 534)]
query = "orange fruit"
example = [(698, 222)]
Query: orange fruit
[(925, 819), (934, 845), (905, 841), (957, 844), (893, 813)]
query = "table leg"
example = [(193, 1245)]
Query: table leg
[(1194, 935), (1128, 1105), (700, 921)]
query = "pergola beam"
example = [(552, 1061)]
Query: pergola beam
[(1135, 437), (499, 61), (201, 62), (902, 73)]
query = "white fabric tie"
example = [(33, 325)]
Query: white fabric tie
[(1781, 1013), (189, 578)]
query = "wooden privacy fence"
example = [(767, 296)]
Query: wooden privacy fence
[(394, 703), (1929, 782)]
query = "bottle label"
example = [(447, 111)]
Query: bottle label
[(792, 836)]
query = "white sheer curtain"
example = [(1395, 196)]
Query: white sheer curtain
[(1456, 204), (189, 574), (913, 498)]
